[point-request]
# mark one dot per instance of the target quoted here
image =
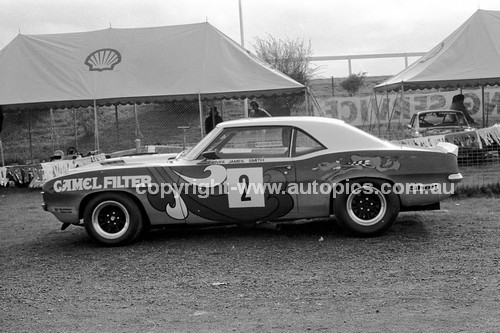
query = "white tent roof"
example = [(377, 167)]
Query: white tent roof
[(132, 65), (470, 56)]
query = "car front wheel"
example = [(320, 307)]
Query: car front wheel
[(112, 219), (366, 207)]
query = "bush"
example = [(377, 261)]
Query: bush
[(353, 83)]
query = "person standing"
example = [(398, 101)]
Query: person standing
[(212, 120), (257, 111), (457, 103)]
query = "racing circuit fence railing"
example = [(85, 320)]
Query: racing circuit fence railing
[(34, 136)]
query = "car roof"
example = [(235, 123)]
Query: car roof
[(440, 110), (332, 133), (282, 121)]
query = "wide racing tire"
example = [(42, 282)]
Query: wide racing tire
[(113, 219), (367, 207)]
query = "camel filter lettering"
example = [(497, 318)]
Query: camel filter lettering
[(95, 183)]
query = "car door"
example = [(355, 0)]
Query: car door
[(243, 175), (311, 160)]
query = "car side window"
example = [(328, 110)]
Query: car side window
[(305, 144), (272, 141)]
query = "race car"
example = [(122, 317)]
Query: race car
[(452, 126), (258, 170), (438, 122)]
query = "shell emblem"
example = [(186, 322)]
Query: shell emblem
[(103, 60)]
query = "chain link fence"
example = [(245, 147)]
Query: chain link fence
[(34, 136), (480, 167)]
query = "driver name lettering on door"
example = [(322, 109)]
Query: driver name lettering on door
[(245, 187)]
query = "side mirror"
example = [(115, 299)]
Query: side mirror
[(210, 155)]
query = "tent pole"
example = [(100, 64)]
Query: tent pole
[(1, 152), (388, 111), (402, 110), (242, 43), (485, 116), (213, 118), (96, 129), (371, 111), (51, 129), (245, 107), (29, 132), (200, 106), (136, 118), (76, 129), (117, 125), (307, 101)]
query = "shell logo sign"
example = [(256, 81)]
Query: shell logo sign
[(103, 60)]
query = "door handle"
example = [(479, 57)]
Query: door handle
[(283, 166)]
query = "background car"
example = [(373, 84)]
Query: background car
[(438, 122), (453, 125), (258, 170)]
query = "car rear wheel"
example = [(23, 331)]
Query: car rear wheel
[(113, 219), (367, 207)]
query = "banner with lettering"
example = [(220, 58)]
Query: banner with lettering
[(392, 108), (54, 169), (34, 175)]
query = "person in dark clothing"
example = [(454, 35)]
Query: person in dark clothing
[(457, 103), (212, 120), (257, 111)]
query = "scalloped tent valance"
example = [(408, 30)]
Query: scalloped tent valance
[(123, 66), (469, 57)]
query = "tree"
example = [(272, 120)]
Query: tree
[(353, 83), (290, 57)]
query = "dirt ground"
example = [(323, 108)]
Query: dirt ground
[(436, 271)]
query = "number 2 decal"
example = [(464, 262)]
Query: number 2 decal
[(244, 181), (245, 187)]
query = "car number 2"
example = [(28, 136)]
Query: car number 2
[(245, 187)]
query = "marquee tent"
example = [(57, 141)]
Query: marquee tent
[(468, 57), (119, 66)]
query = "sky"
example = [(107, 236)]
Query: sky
[(333, 27)]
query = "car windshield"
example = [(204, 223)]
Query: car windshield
[(195, 151), (434, 119)]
